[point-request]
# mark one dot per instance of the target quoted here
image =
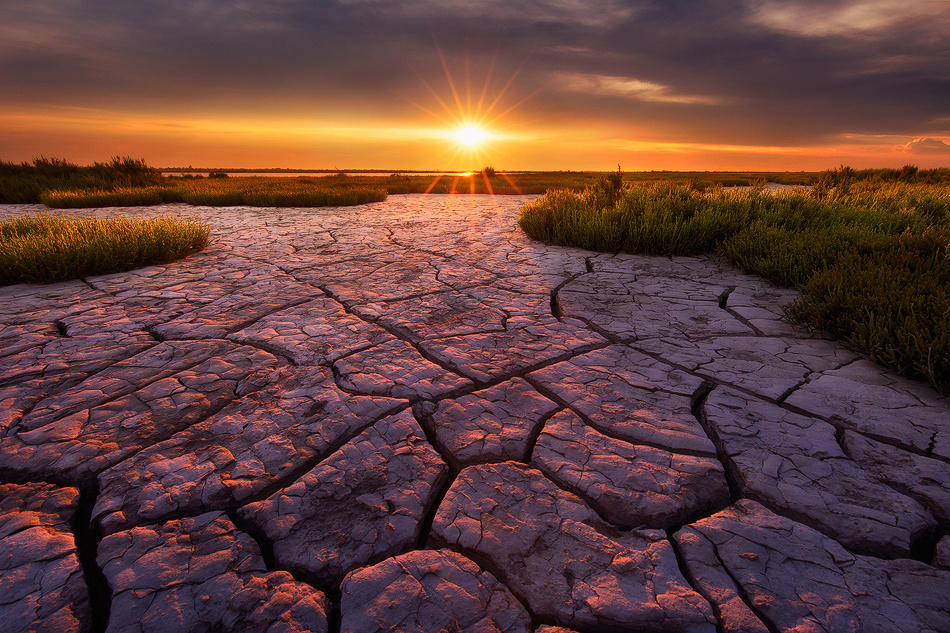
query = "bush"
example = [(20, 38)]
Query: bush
[(46, 247)]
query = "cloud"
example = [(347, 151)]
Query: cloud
[(628, 87), (589, 13), (848, 17), (927, 146), (679, 71)]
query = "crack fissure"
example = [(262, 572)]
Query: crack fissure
[(87, 545)]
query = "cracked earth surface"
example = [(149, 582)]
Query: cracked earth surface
[(408, 416)]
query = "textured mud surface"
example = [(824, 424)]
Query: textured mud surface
[(408, 416)]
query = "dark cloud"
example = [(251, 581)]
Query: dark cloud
[(736, 71)]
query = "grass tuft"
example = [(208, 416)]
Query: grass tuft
[(871, 255), (47, 247)]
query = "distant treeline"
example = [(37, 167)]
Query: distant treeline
[(25, 182)]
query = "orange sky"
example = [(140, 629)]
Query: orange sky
[(796, 85)]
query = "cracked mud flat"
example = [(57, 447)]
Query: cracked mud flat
[(409, 416)]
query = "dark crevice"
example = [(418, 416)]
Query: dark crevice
[(536, 434), (63, 480), (556, 309), (743, 594), (334, 608), (440, 488), (724, 297), (87, 545), (691, 579), (932, 444), (697, 405), (61, 328), (423, 413), (263, 543), (924, 547), (788, 392)]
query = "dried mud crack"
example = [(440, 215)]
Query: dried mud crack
[(409, 416)]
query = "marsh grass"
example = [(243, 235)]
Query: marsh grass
[(23, 183), (872, 257), (231, 192), (48, 247)]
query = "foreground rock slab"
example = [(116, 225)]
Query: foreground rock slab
[(131, 405), (630, 395), (879, 404), (397, 370), (556, 554), (793, 578), (793, 463), (630, 485), (41, 581), (362, 503), (494, 424), (429, 590), (201, 574), (238, 453)]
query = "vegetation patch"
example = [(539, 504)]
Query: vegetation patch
[(218, 192), (871, 255), (47, 247), (24, 183)]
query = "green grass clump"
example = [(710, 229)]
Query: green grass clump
[(121, 197), (220, 192), (871, 256), (24, 183), (46, 247)]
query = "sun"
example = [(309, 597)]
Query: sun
[(470, 136), (468, 121)]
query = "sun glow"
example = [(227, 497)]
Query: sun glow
[(469, 120), (470, 136)]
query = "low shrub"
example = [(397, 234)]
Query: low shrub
[(47, 247)]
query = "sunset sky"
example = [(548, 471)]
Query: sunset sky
[(552, 84)]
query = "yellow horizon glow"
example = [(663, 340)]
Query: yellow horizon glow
[(85, 135)]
